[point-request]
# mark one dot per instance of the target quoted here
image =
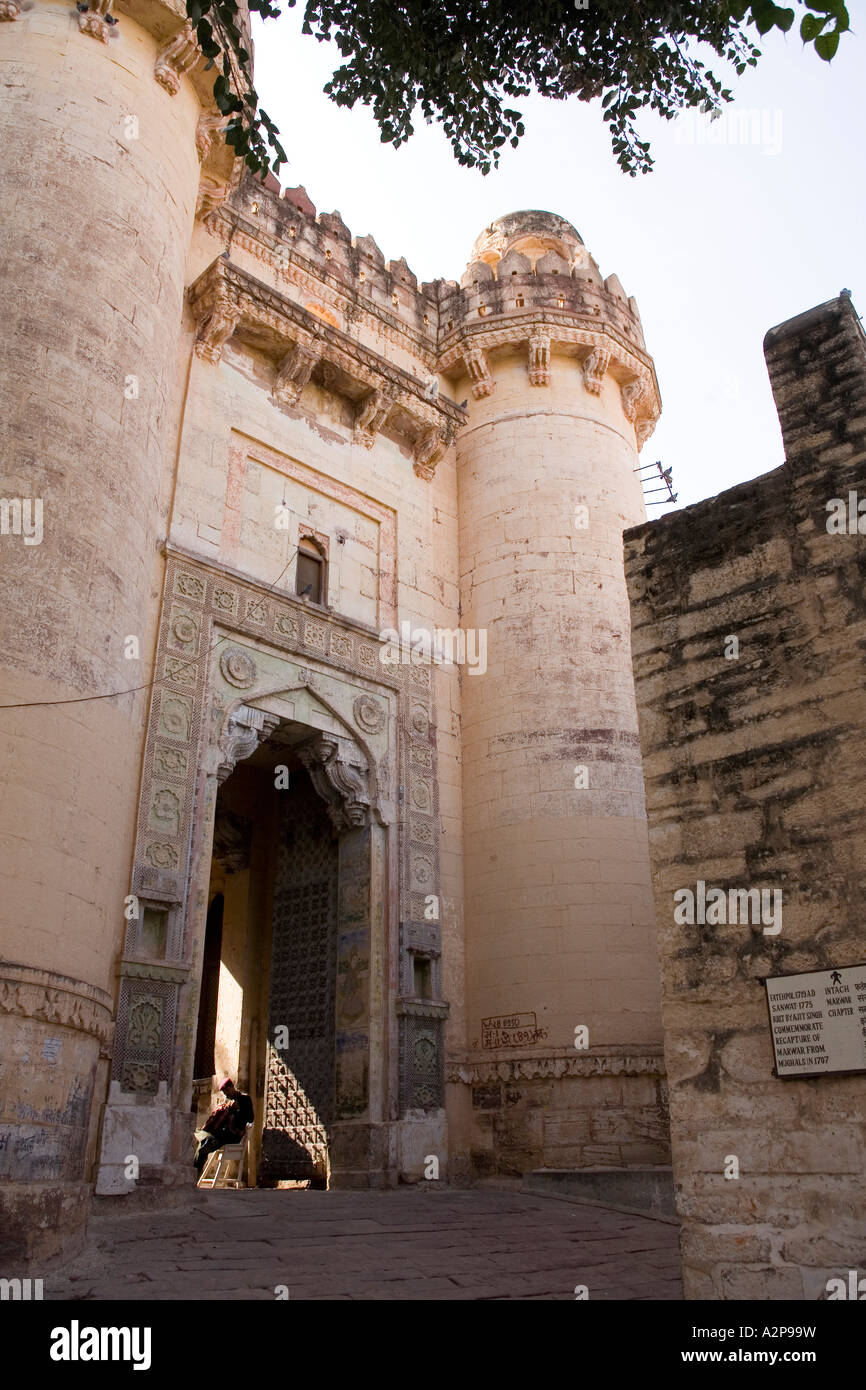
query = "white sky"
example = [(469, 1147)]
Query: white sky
[(719, 243)]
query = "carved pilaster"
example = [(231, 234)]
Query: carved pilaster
[(294, 372), (341, 778), (94, 19), (480, 378), (246, 729), (175, 58), (539, 360), (594, 368), (371, 416)]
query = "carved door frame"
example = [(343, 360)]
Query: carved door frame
[(221, 641)]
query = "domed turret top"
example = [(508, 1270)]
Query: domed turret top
[(532, 233)]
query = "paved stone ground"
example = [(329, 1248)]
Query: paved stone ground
[(413, 1243)]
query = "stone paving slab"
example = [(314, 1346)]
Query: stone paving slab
[(414, 1243)]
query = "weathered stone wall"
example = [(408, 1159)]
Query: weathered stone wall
[(754, 769), (98, 197)]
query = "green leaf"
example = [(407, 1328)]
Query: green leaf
[(810, 27), (826, 45)]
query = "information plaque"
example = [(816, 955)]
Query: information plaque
[(818, 1021)]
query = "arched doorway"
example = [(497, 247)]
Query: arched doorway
[(284, 1005)]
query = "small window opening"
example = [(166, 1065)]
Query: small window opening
[(423, 981), (310, 573), (520, 301)]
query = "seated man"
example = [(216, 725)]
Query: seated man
[(225, 1125)]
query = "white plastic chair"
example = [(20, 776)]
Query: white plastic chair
[(215, 1171)]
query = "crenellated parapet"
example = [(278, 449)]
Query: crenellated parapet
[(531, 286)]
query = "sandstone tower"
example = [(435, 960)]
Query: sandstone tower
[(560, 930), (99, 194)]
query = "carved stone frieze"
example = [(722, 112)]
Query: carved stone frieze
[(175, 58), (40, 994), (535, 1068)]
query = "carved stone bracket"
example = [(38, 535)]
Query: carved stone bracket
[(94, 19), (246, 729), (175, 58), (539, 359), (210, 124), (232, 838), (341, 777), (480, 378), (429, 448), (372, 415), (594, 368), (218, 317), (225, 298), (632, 393), (294, 372)]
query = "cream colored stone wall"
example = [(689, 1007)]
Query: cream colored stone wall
[(97, 215), (401, 542)]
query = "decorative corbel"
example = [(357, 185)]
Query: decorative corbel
[(643, 429), (246, 729), (175, 58), (632, 393), (429, 448), (371, 416), (294, 372), (212, 193), (210, 125), (9, 9), (594, 368), (479, 373), (342, 783), (219, 317), (94, 18), (539, 359)]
